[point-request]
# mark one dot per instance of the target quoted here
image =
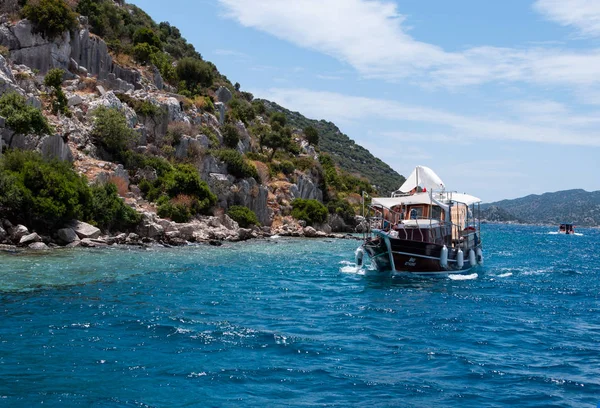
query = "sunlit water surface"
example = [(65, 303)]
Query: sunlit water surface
[(292, 322)]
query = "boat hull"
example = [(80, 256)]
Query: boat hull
[(405, 256)]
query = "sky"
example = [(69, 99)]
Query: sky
[(500, 98)]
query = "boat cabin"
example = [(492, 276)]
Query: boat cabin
[(566, 229)]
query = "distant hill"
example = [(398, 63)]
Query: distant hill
[(579, 207), (351, 157)]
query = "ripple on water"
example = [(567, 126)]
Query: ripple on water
[(260, 323)]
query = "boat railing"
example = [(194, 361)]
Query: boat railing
[(421, 229)]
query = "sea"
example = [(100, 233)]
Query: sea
[(293, 322)]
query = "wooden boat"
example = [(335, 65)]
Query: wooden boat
[(423, 229)]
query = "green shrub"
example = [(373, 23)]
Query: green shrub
[(231, 136), (111, 132), (54, 79), (194, 73), (236, 165), (179, 209), (259, 107), (146, 35), (21, 117), (244, 216), (311, 211), (42, 193), (312, 135), (241, 110), (144, 52), (343, 209), (286, 167), (50, 17), (304, 163), (179, 181), (109, 211), (141, 107)]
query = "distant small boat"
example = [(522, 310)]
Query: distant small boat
[(423, 229), (568, 229)]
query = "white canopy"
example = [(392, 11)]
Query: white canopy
[(424, 198), (424, 177)]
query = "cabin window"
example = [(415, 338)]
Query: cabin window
[(436, 213), (416, 213)]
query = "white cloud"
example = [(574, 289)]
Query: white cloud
[(369, 35), (581, 14), (558, 127)]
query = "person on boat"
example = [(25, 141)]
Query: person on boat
[(413, 214)]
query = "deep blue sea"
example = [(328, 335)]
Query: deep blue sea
[(292, 322)]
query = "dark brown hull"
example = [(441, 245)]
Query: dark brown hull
[(413, 257)]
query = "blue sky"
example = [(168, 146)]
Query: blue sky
[(500, 98)]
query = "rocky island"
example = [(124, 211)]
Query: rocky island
[(115, 130)]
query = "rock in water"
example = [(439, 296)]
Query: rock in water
[(67, 235), (84, 230)]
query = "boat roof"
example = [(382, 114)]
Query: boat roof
[(424, 198), (422, 177)]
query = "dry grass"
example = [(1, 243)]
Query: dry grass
[(89, 84), (124, 60), (121, 184), (263, 171), (184, 200)]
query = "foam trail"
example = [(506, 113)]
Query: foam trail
[(463, 277), (505, 275), (351, 267)]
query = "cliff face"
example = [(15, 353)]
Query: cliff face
[(78, 52), (93, 79)]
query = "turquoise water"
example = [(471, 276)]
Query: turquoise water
[(291, 322)]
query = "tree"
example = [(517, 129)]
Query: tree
[(244, 216), (21, 117), (231, 136), (278, 138), (312, 135), (54, 79), (311, 211), (279, 118), (194, 73), (146, 35), (50, 17), (111, 131)]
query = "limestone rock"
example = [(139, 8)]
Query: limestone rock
[(74, 100), (39, 246), (306, 189), (29, 239), (3, 234), (67, 235), (310, 232), (54, 147), (223, 94), (151, 230), (7, 81), (18, 232), (84, 230), (220, 108)]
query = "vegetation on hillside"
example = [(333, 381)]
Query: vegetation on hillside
[(22, 117), (46, 194), (579, 207), (285, 142), (349, 156)]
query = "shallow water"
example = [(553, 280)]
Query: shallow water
[(292, 322)]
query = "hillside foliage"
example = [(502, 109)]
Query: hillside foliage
[(350, 157), (579, 207)]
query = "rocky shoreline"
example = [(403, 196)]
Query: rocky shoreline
[(152, 231)]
